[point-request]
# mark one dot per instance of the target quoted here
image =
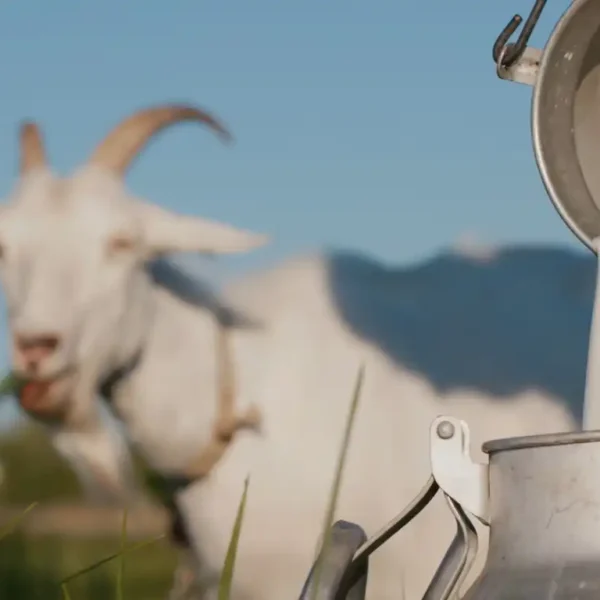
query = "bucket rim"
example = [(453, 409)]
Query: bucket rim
[(540, 441)]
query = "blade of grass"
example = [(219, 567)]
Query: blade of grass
[(132, 548), (12, 524), (121, 564), (10, 385), (65, 592), (337, 481), (227, 572)]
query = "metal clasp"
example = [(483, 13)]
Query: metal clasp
[(515, 61), (457, 474), (507, 54)]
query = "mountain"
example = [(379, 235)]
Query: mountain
[(502, 321)]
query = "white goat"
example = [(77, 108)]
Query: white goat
[(91, 311)]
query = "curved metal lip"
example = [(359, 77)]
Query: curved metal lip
[(563, 22), (540, 441)]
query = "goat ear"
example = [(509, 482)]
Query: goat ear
[(166, 232)]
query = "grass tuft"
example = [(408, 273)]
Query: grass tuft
[(110, 558), (10, 386)]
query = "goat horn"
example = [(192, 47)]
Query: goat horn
[(122, 145), (33, 154)]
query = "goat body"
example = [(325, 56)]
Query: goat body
[(298, 361)]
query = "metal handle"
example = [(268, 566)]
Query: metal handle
[(344, 540), (458, 558), (342, 574), (465, 484)]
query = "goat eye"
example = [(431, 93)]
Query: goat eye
[(119, 244)]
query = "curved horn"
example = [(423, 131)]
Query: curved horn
[(121, 146), (33, 154)]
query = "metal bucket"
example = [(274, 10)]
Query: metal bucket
[(544, 502)]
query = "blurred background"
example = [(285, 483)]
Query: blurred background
[(378, 127), (63, 534)]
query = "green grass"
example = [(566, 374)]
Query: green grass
[(337, 481), (226, 579), (10, 385), (15, 522), (52, 568), (33, 568)]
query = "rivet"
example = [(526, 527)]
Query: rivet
[(445, 430)]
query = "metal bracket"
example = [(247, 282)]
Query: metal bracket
[(461, 478), (524, 70)]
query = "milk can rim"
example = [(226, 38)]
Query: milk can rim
[(542, 440)]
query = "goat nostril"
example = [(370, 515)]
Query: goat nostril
[(32, 366)]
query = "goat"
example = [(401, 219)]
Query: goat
[(256, 380)]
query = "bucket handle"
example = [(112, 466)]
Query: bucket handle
[(458, 559), (464, 483), (344, 566)]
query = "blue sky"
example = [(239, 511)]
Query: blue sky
[(376, 126), (379, 125)]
